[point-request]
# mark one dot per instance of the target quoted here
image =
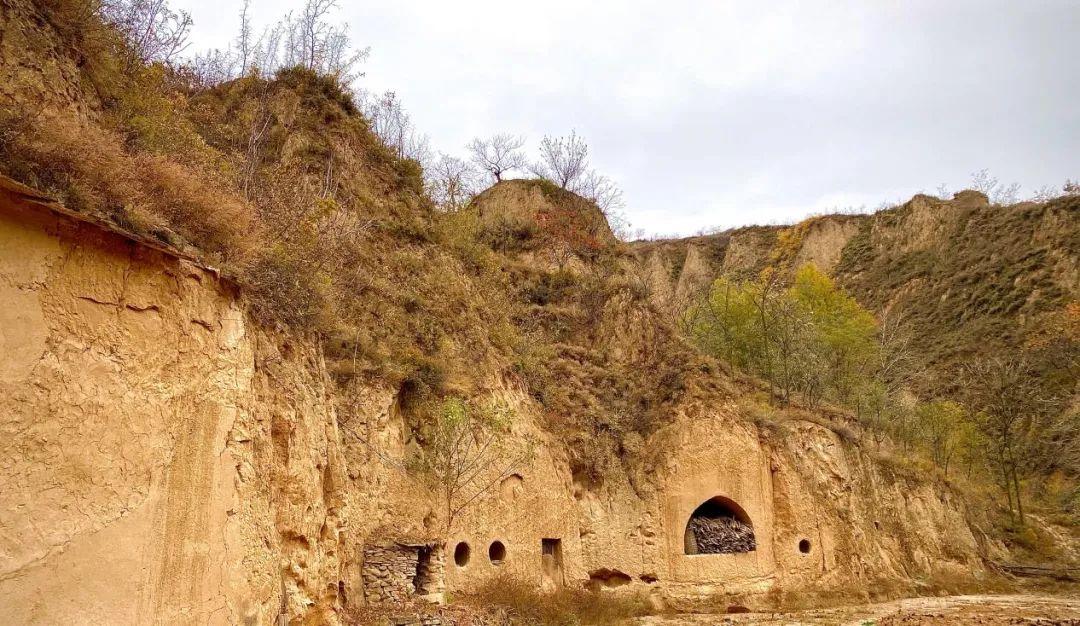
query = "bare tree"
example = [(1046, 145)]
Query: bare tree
[(312, 33), (1005, 402), (467, 453), (258, 125), (563, 160), (997, 192), (268, 48), (452, 182), (211, 67), (312, 41), (895, 352), (243, 38), (155, 32), (983, 181), (1045, 193), (498, 154), (394, 126), (602, 191), (1009, 194)]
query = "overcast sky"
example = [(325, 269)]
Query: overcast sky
[(716, 114)]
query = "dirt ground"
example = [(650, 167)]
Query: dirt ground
[(963, 610)]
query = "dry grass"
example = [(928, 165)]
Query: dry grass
[(982, 277), (327, 231), (88, 168), (525, 605), (322, 225)]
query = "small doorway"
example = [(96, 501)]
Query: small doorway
[(422, 580), (551, 564)]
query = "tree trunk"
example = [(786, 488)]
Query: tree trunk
[(1016, 486), (1007, 484)]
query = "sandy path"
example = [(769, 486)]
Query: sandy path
[(964, 610)]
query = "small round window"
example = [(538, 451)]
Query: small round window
[(497, 552), (804, 546), (461, 554)]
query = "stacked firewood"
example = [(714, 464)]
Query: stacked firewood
[(722, 535)]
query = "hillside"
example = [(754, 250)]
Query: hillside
[(971, 279), (252, 372)]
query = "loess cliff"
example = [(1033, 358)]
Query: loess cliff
[(220, 474), (220, 360)]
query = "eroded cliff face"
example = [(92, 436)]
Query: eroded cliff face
[(164, 460), (968, 277), (831, 523), (167, 460)]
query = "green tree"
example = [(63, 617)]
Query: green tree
[(1005, 401), (842, 333), (945, 430), (809, 338), (726, 324)]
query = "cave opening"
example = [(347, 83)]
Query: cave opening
[(461, 554), (496, 552), (719, 526)]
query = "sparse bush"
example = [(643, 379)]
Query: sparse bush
[(509, 234)]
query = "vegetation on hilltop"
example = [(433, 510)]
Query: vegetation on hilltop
[(981, 283), (283, 181)]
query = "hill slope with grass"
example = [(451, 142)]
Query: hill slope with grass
[(970, 279), (352, 326)]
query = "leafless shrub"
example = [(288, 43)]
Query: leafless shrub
[(998, 193), (313, 42), (212, 67), (394, 126), (1045, 193), (309, 39), (452, 182), (603, 192), (155, 32)]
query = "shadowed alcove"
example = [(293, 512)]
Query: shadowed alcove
[(719, 526)]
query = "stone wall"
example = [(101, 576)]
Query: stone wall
[(395, 573)]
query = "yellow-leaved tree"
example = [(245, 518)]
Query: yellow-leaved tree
[(809, 337)]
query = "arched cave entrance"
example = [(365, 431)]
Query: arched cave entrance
[(496, 552), (461, 554), (719, 526)]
